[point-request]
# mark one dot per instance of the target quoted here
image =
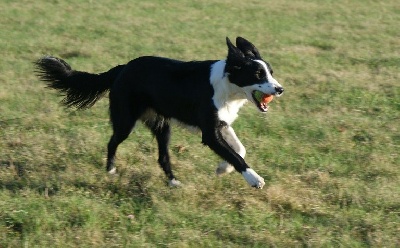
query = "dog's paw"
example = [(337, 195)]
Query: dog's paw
[(113, 171), (224, 168), (253, 178), (174, 183)]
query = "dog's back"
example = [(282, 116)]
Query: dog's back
[(174, 89)]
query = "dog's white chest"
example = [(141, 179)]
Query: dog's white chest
[(228, 112), (228, 98)]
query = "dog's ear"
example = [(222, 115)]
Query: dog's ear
[(235, 57), (247, 48)]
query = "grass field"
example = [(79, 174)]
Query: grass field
[(328, 148)]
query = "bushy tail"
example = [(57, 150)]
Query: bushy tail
[(81, 89)]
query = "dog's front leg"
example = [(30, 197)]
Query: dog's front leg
[(230, 137), (213, 138)]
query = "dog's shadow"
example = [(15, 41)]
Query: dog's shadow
[(21, 181), (133, 185)]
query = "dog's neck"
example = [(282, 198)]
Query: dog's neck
[(228, 98)]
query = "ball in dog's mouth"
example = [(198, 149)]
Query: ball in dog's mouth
[(261, 100)]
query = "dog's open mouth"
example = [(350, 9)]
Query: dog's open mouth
[(261, 100)]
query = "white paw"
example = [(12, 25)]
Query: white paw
[(224, 167), (112, 171), (253, 178), (174, 183)]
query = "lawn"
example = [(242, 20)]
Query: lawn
[(328, 148)]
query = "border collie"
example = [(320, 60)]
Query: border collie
[(204, 94)]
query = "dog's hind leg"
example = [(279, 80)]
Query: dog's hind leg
[(121, 132), (230, 137), (123, 121), (161, 129)]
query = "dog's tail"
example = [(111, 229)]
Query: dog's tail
[(81, 89)]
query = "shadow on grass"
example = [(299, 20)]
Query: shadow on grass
[(21, 180), (19, 166), (136, 189), (133, 187)]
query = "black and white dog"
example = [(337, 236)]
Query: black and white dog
[(203, 94)]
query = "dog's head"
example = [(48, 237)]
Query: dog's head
[(246, 69)]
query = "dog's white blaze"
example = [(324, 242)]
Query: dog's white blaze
[(228, 98), (269, 76)]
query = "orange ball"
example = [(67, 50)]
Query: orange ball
[(267, 98)]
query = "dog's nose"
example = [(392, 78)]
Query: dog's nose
[(279, 90)]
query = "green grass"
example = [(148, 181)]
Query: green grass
[(328, 149)]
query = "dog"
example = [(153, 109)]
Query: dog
[(202, 94)]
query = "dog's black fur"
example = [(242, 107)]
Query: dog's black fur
[(156, 90)]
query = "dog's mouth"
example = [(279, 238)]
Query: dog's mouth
[(261, 100)]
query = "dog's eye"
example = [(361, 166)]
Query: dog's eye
[(260, 74)]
